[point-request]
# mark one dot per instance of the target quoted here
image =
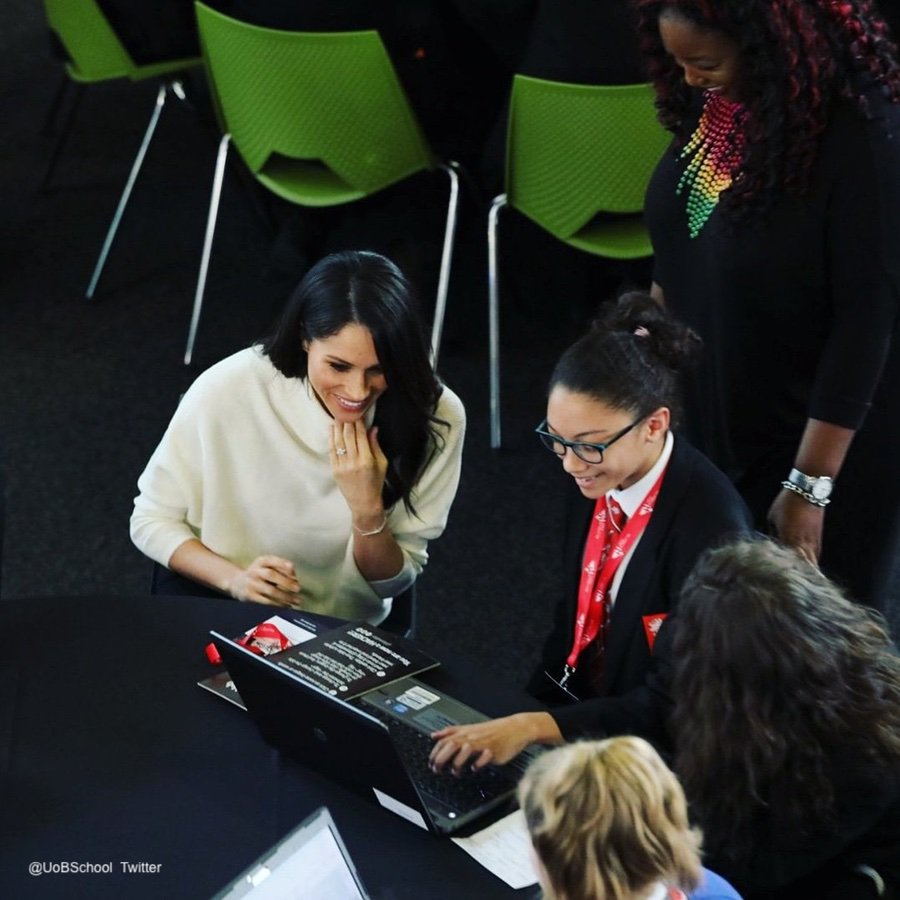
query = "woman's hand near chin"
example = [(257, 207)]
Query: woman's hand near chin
[(359, 466)]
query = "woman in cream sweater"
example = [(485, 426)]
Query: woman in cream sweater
[(310, 470)]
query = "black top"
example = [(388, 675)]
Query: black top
[(783, 864), (696, 508), (797, 313), (794, 310)]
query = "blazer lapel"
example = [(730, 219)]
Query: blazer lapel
[(642, 578)]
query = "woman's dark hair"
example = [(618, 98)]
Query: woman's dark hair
[(775, 670), (796, 56), (367, 289), (631, 357)]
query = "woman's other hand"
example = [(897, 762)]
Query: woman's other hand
[(798, 523), (268, 579)]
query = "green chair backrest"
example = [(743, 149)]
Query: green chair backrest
[(576, 150), (316, 98), (95, 52)]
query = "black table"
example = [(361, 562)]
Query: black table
[(110, 754)]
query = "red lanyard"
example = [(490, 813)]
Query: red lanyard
[(599, 567)]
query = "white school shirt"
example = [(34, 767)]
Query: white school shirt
[(630, 499)]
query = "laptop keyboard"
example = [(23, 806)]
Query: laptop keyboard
[(464, 793)]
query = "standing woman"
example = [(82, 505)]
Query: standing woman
[(774, 219), (311, 470), (787, 728), (643, 506)]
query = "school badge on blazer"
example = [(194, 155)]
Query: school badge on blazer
[(652, 624)]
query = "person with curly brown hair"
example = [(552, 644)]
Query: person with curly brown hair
[(786, 724), (773, 218)]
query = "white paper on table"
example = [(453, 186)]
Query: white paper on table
[(504, 849), (401, 809)]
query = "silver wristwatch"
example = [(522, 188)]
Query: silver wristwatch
[(814, 488)]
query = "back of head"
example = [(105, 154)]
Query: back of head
[(631, 358), (766, 621), (774, 669), (608, 820)]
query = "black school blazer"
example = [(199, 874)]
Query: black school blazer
[(697, 507)]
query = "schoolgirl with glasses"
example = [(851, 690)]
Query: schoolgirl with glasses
[(644, 505)]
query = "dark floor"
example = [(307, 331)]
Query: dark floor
[(86, 389)]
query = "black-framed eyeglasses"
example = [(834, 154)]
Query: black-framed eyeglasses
[(586, 452)]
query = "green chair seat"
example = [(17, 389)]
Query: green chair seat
[(306, 182), (624, 237)]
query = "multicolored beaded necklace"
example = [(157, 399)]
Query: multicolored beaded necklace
[(716, 145)]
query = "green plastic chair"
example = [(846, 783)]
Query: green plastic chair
[(578, 159), (96, 54), (320, 119)]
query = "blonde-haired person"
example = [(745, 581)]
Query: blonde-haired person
[(608, 821)]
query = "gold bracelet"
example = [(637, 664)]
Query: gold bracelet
[(374, 531)]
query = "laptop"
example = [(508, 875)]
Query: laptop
[(311, 861), (377, 743)]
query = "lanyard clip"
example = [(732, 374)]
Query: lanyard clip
[(568, 672)]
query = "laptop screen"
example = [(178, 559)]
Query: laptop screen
[(311, 862)]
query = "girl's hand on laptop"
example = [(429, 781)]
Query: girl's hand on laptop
[(268, 579), (496, 741)]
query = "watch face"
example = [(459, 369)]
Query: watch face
[(821, 489)]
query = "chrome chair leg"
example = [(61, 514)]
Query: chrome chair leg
[(219, 176), (123, 201), (440, 306), (494, 318)]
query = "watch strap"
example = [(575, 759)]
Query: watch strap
[(801, 479), (804, 485)]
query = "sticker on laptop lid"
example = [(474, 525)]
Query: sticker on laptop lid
[(418, 697)]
